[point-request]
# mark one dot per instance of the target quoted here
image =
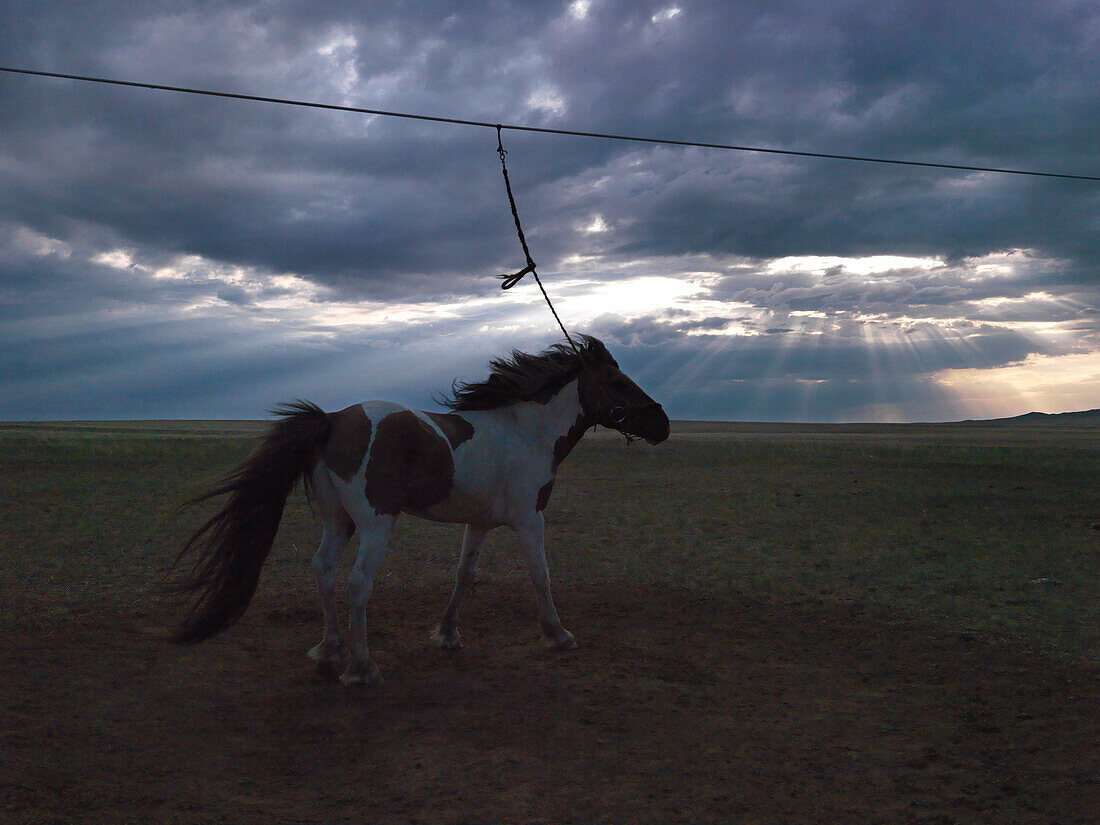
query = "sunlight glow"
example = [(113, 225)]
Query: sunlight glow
[(1043, 383), (1004, 263), (546, 100), (340, 50), (41, 245), (114, 258), (578, 9), (632, 297), (869, 265), (596, 226), (879, 328)]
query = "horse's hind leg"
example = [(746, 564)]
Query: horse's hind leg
[(327, 653), (338, 529), (374, 537), (446, 633)]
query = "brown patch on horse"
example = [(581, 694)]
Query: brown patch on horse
[(410, 465), (457, 429), (565, 444), (348, 441), (544, 495)]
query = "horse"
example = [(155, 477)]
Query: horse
[(489, 461)]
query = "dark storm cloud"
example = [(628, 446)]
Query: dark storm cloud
[(344, 201), (378, 209)]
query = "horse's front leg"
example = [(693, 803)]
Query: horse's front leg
[(374, 538), (531, 541), (446, 633)]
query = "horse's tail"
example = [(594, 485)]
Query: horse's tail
[(233, 545)]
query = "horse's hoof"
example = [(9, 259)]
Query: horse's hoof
[(564, 641), (329, 669), (327, 657), (328, 649), (447, 641), (361, 674)]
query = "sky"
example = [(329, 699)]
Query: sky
[(173, 256)]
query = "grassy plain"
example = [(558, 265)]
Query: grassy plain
[(990, 531), (777, 623)]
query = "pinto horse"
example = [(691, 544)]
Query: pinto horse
[(489, 462)]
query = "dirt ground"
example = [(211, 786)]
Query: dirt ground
[(677, 707)]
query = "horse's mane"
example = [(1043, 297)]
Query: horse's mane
[(526, 377)]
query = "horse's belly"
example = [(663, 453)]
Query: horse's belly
[(460, 507)]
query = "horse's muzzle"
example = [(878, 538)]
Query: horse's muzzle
[(649, 422)]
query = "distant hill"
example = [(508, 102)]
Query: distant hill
[(1084, 418)]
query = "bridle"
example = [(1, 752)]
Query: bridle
[(618, 413)]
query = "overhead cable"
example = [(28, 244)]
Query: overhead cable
[(545, 129)]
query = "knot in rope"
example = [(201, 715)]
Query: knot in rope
[(508, 281)]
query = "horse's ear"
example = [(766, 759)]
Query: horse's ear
[(599, 352)]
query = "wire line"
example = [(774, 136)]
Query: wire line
[(543, 129)]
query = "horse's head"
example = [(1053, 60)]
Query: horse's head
[(611, 399)]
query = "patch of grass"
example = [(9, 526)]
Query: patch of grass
[(987, 535), (986, 531)]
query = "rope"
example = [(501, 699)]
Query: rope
[(509, 281), (548, 131)]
